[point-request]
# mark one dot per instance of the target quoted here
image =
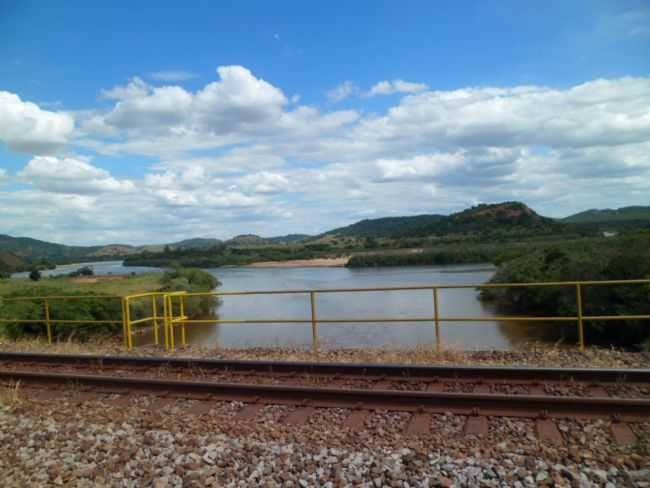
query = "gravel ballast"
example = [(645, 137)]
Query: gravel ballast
[(94, 443)]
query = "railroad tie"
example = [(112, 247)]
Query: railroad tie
[(121, 400), (481, 388), (249, 411), (623, 434), (597, 391), (476, 425), (547, 432), (357, 419), (300, 415), (419, 424), (200, 407)]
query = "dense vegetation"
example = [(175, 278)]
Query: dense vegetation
[(96, 305), (450, 254), (625, 257), (226, 255)]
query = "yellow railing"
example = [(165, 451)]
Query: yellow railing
[(45, 302), (173, 307), (436, 318)]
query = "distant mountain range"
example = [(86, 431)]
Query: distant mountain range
[(508, 217), (623, 214)]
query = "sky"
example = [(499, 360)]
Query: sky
[(156, 121)]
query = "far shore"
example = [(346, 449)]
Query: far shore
[(303, 263)]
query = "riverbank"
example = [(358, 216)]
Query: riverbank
[(105, 285), (303, 263)]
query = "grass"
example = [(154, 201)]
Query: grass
[(131, 285), (9, 395)]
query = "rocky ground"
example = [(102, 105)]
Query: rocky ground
[(63, 442), (60, 442)]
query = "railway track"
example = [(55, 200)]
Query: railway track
[(619, 395)]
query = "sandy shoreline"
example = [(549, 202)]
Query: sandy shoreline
[(303, 263)]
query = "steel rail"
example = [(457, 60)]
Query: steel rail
[(491, 404), (608, 375)]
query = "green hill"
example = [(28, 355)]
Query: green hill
[(26, 247), (386, 226), (196, 243), (608, 215), (506, 217)]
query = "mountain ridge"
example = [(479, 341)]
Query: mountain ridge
[(512, 218)]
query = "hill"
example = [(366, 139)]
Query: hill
[(246, 240), (28, 248), (289, 238), (196, 243), (385, 226), (608, 215), (506, 217)]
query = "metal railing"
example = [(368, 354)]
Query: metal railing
[(174, 315), (48, 320), (436, 318)]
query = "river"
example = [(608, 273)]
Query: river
[(491, 334)]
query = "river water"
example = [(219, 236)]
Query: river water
[(492, 334)]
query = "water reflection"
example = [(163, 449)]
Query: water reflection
[(491, 334)]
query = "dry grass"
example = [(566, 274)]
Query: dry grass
[(530, 355), (10, 395)]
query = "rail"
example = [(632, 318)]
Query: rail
[(173, 307)]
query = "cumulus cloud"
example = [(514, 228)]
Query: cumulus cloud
[(341, 92), (396, 86), (601, 112), (238, 108), (238, 156), (26, 128), (70, 175), (173, 75), (265, 182)]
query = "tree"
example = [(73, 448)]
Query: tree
[(34, 274)]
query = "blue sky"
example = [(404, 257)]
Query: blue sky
[(116, 126)]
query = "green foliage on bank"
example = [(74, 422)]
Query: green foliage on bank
[(217, 256), (625, 257), (448, 255), (95, 305)]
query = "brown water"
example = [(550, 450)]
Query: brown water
[(491, 334)]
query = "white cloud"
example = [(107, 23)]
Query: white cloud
[(237, 156), (26, 128), (173, 75), (395, 86), (265, 182), (73, 176), (341, 92), (425, 165), (600, 112)]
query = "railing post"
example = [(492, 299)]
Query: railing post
[(124, 328), (155, 319), (581, 329), (170, 310), (314, 330), (182, 311), (129, 332), (166, 321), (48, 324), (436, 315)]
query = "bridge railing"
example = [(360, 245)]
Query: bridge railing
[(139, 312), (436, 318)]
